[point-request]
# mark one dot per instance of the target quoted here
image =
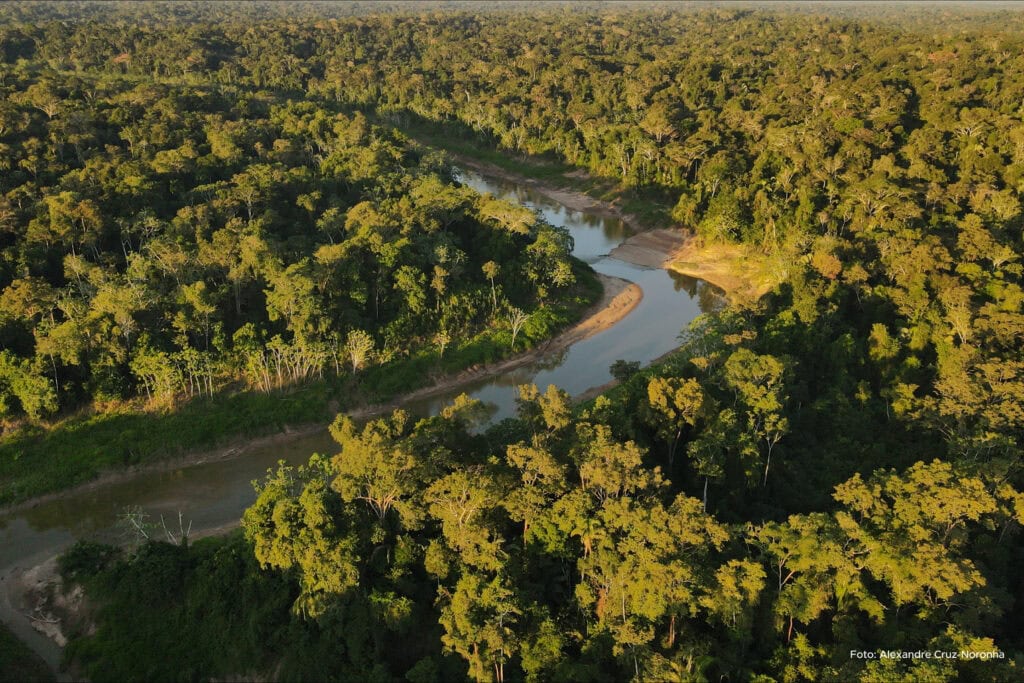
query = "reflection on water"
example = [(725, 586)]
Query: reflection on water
[(211, 494), (214, 494), (594, 235), (709, 298)]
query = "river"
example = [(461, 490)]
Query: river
[(214, 494)]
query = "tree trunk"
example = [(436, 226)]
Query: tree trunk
[(672, 451), (56, 381)]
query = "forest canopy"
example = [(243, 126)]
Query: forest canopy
[(168, 239), (834, 468)]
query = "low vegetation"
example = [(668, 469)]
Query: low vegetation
[(745, 274), (198, 198), (19, 663), (184, 265)]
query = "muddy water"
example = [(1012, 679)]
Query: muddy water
[(214, 494), (670, 301)]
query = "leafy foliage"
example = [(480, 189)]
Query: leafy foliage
[(852, 478)]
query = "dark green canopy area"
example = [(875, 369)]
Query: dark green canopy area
[(213, 198)]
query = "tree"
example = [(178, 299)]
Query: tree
[(443, 339), (516, 318), (757, 381), (658, 123), (734, 595), (202, 304), (677, 404), (480, 618), (377, 467), (645, 569), (543, 480), (462, 502), (491, 271), (506, 215), (709, 451), (21, 380), (897, 545), (610, 469), (358, 346), (914, 527), (296, 523), (622, 370), (159, 375)]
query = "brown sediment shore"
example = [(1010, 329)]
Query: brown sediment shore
[(618, 299), (572, 199), (732, 268), (742, 273), (27, 609), (654, 249)]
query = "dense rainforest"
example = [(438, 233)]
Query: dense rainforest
[(813, 481), (162, 241)]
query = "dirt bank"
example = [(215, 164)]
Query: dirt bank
[(572, 199), (618, 299), (39, 597), (35, 610), (743, 274), (653, 248)]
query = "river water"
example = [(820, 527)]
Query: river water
[(214, 494)]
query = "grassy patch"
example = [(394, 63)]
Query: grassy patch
[(743, 272), (40, 460), (77, 449), (18, 662)]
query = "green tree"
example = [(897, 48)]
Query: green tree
[(358, 346), (296, 523), (676, 404), (757, 380), (376, 466)]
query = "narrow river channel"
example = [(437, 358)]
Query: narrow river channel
[(214, 494)]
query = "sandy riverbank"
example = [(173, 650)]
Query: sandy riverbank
[(653, 248), (572, 199), (743, 275), (27, 608), (618, 299)]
